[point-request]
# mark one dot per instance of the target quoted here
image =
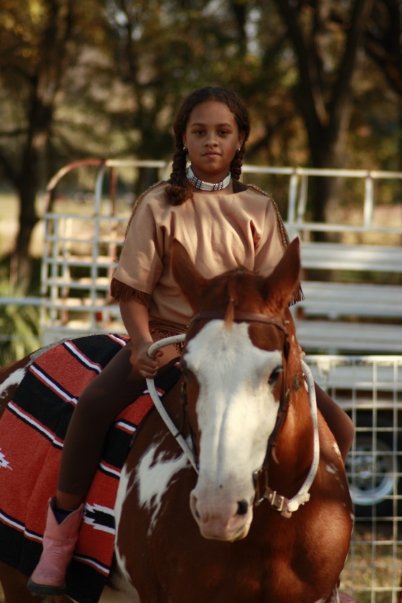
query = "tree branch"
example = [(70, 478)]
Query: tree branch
[(310, 96), (341, 91)]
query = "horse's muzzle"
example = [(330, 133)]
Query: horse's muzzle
[(227, 523)]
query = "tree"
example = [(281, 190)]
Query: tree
[(57, 85), (382, 41), (327, 41), (34, 56)]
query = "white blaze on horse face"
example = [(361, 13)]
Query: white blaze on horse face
[(236, 413)]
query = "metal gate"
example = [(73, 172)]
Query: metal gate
[(369, 388)]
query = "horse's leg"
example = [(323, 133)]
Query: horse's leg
[(338, 597), (112, 596), (14, 585)]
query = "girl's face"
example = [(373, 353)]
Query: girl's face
[(212, 138)]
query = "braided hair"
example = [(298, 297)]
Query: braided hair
[(179, 189)]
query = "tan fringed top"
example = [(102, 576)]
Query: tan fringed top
[(220, 231)]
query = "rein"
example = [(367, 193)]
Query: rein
[(159, 404), (282, 504)]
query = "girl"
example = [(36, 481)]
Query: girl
[(223, 224)]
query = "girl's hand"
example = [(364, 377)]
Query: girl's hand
[(144, 364)]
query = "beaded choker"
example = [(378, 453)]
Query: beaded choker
[(207, 186)]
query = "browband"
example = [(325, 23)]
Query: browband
[(241, 317)]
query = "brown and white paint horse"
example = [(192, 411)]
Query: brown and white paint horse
[(233, 530)]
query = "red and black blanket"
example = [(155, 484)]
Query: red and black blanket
[(32, 430)]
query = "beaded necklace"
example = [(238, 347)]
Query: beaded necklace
[(207, 186)]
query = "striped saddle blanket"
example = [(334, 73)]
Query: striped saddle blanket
[(32, 430)]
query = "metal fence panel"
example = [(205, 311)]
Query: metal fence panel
[(369, 388)]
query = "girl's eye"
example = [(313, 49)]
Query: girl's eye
[(274, 376)]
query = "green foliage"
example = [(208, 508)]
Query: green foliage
[(19, 327)]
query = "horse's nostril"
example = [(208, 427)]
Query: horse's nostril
[(242, 507)]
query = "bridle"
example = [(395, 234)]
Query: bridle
[(260, 477), (249, 317)]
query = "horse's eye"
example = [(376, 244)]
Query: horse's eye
[(274, 376)]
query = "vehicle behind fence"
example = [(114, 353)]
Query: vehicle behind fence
[(349, 323)]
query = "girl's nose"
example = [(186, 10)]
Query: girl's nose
[(210, 140)]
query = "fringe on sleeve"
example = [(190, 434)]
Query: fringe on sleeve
[(122, 292)]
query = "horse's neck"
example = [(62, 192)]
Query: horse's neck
[(293, 454)]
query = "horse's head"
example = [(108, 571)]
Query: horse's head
[(233, 368)]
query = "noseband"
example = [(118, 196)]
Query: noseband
[(260, 477)]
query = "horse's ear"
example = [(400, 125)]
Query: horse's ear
[(283, 283), (190, 281)]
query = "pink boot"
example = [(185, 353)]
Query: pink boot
[(58, 546)]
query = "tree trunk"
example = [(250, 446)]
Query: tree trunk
[(324, 102), (21, 260), (45, 84)]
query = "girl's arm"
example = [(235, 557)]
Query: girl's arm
[(136, 320)]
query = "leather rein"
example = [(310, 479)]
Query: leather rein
[(260, 477)]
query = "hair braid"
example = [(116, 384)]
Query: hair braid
[(178, 190), (237, 162)]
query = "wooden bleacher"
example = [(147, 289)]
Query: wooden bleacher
[(364, 316)]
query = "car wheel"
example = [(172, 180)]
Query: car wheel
[(372, 468)]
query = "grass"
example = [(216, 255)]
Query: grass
[(374, 568)]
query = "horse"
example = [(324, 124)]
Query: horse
[(247, 501)]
